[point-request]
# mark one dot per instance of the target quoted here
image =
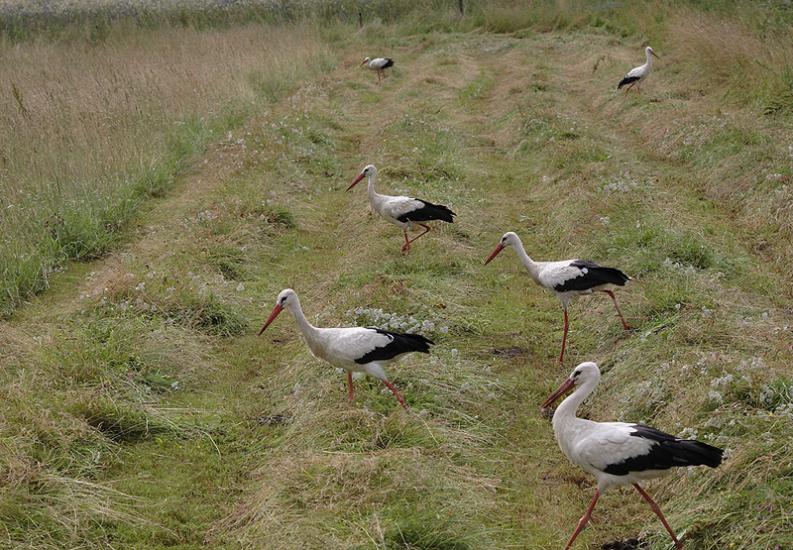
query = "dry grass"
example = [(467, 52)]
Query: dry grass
[(89, 129), (734, 55)]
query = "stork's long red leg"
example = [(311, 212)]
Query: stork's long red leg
[(564, 337), (584, 519), (396, 394), (426, 230), (658, 513), (406, 246), (617, 307), (350, 389)]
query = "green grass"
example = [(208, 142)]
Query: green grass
[(140, 409)]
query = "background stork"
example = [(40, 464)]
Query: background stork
[(379, 65), (353, 349), (636, 75), (406, 212), (617, 453), (567, 278)]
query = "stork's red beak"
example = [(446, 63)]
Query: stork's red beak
[(273, 314), (566, 386), (356, 180), (495, 253)]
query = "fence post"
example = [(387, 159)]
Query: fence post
[(461, 7), (360, 19)]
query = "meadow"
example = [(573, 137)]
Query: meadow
[(163, 177)]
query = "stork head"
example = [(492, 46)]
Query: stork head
[(510, 238), (366, 60), (587, 372), (649, 51), (286, 298), (368, 171)]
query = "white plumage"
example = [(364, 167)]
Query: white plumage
[(618, 453), (342, 346), (593, 446), (404, 212), (551, 275), (636, 75), (354, 349), (377, 62), (393, 207), (567, 278)]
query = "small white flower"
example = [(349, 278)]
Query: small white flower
[(715, 397)]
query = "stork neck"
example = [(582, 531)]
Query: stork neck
[(531, 265), (371, 178), (308, 330), (375, 199), (566, 412), (649, 57)]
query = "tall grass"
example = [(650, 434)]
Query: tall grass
[(22, 19), (90, 130)]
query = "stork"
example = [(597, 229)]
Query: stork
[(354, 349), (619, 453), (405, 212), (636, 75), (379, 64), (567, 278)]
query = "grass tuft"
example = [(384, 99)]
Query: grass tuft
[(118, 422), (413, 530)]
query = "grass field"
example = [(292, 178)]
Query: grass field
[(139, 409)]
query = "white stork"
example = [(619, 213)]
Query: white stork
[(354, 349), (636, 75), (567, 278), (406, 212), (379, 64), (618, 453)]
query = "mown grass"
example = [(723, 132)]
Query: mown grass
[(139, 409)]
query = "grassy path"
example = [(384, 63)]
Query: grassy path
[(176, 426)]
